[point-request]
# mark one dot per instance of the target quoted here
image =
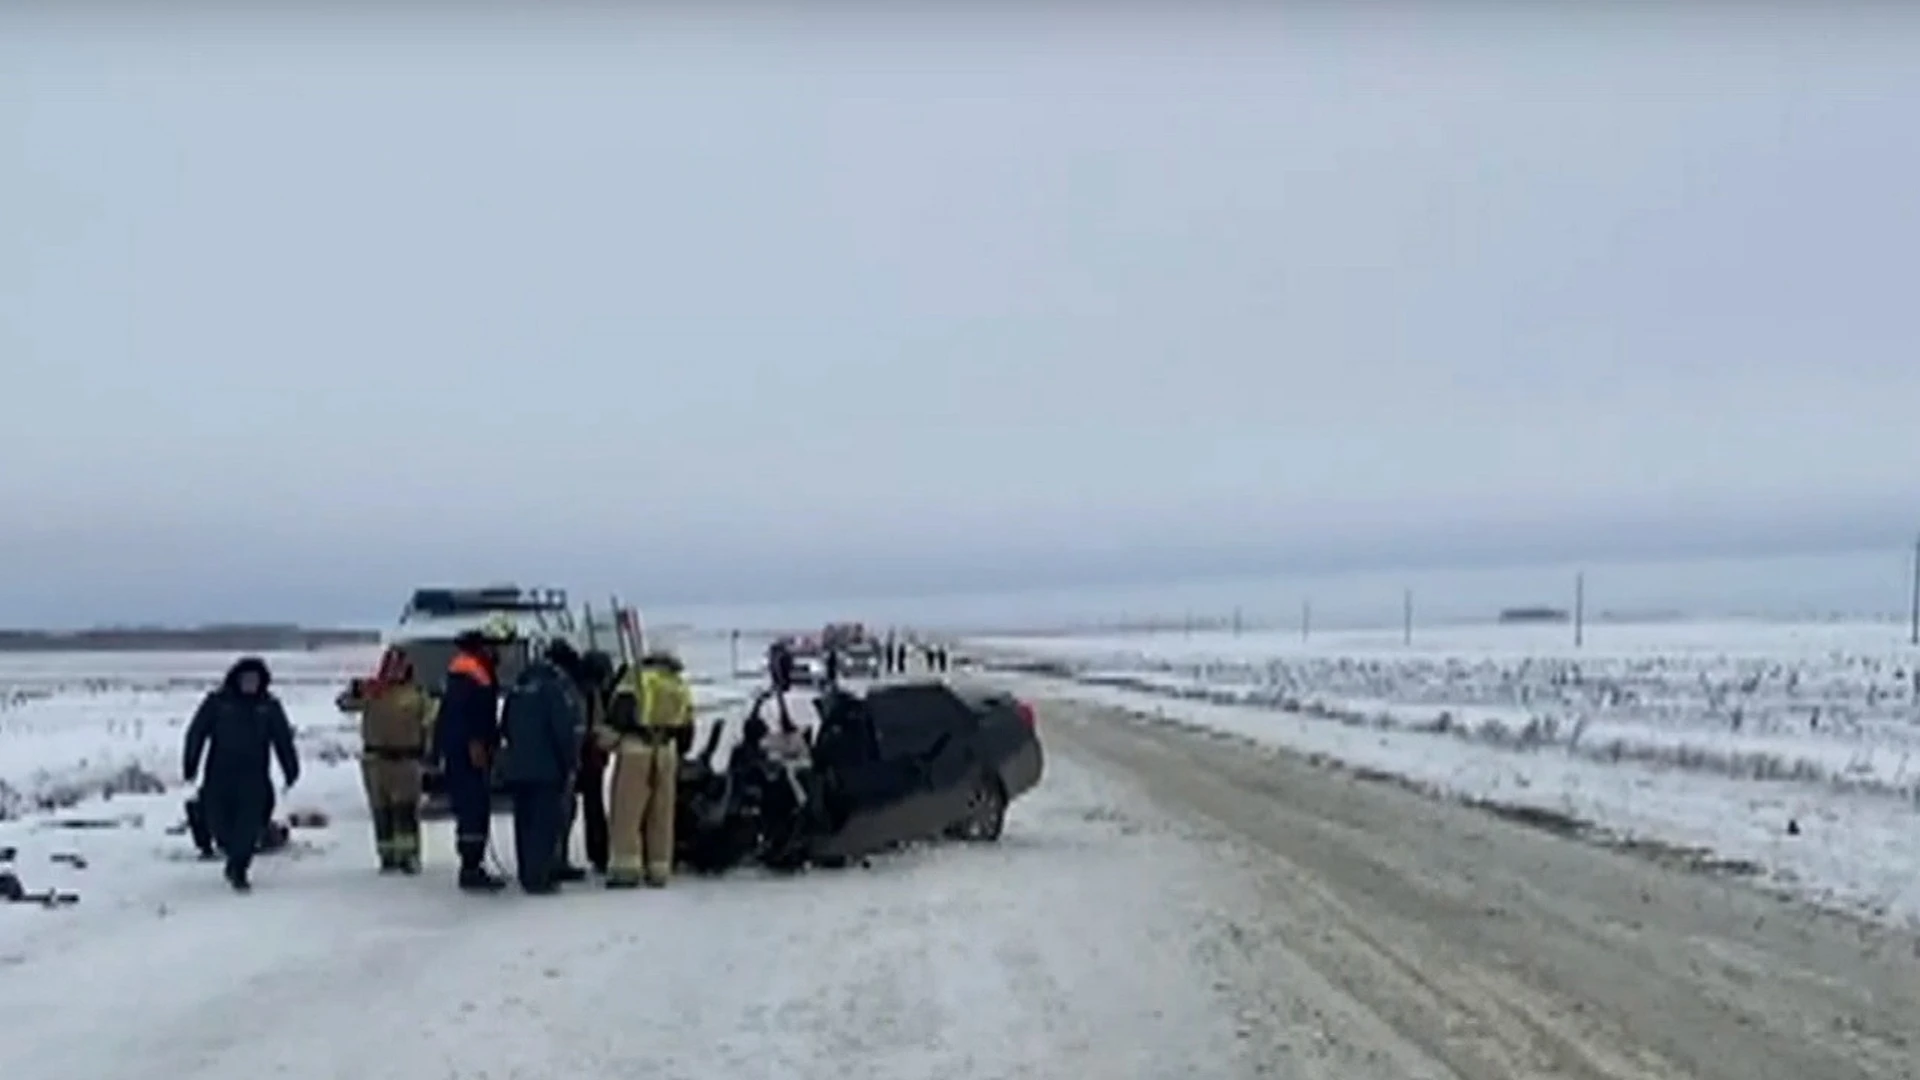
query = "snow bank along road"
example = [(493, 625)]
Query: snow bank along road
[(1403, 936), (1789, 749)]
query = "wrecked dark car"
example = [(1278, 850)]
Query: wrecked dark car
[(894, 764)]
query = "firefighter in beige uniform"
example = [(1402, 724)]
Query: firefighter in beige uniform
[(393, 730), (650, 724)]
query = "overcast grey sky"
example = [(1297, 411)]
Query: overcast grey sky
[(295, 314)]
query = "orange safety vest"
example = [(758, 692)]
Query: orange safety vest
[(467, 664)]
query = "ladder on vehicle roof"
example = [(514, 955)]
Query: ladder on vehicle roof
[(548, 606)]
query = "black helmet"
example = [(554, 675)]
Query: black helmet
[(661, 658), (597, 666), (561, 653)]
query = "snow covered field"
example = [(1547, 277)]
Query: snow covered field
[(76, 725), (1791, 746)]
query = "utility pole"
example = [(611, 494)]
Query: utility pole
[(1406, 615), (1306, 619), (1236, 622), (733, 652), (1913, 635), (1579, 609)]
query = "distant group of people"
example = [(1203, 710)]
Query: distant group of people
[(896, 656)]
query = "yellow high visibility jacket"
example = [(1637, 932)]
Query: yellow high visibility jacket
[(654, 699)]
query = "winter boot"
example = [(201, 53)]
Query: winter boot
[(473, 876), (237, 877), (569, 874), (477, 879)]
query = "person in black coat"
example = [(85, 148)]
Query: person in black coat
[(235, 730), (544, 720), (594, 681)]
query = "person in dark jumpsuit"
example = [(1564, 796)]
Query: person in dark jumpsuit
[(467, 736), (594, 681), (544, 722), (235, 730)]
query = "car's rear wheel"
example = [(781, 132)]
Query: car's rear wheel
[(986, 813)]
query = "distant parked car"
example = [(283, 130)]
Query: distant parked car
[(809, 669), (860, 661)]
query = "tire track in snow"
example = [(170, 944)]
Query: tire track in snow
[(1409, 937)]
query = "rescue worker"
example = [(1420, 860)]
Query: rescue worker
[(785, 739), (651, 721), (595, 682), (467, 734), (780, 663), (393, 739), (234, 729), (788, 712), (544, 722)]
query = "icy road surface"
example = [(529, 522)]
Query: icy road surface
[(1387, 935), (1080, 946)]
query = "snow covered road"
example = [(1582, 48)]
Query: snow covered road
[(1387, 934), (1080, 946)]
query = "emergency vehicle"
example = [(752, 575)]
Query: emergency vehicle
[(434, 617)]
